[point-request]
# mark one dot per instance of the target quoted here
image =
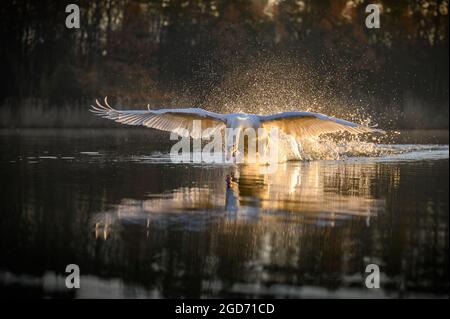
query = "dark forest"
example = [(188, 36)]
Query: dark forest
[(244, 55)]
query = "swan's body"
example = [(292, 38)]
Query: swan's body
[(297, 124)]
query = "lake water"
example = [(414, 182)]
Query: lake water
[(140, 226)]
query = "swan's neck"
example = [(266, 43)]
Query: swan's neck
[(243, 121)]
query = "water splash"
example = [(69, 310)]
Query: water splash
[(310, 149), (334, 149)]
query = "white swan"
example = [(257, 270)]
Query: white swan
[(297, 124)]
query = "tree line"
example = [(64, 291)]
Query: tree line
[(230, 54)]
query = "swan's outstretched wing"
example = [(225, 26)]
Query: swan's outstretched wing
[(308, 124), (179, 121)]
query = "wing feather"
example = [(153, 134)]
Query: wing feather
[(309, 124), (172, 120)]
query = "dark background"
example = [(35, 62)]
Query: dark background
[(248, 55)]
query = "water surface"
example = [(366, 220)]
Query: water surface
[(140, 226)]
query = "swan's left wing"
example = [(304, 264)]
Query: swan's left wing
[(309, 124), (179, 121)]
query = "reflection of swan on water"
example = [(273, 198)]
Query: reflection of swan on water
[(312, 188), (308, 192), (231, 195)]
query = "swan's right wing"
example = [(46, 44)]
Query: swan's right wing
[(308, 124), (180, 121)]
